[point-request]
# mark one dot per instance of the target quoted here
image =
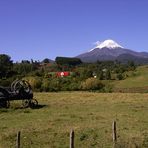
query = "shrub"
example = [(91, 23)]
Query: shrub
[(5, 83), (45, 85), (54, 85), (35, 82), (74, 86), (120, 76), (108, 88), (92, 84)]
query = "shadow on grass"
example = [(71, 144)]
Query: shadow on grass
[(39, 106)]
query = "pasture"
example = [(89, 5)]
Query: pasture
[(89, 114), (135, 82)]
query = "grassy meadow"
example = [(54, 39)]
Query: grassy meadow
[(135, 82), (89, 114)]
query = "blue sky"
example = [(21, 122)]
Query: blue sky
[(38, 29)]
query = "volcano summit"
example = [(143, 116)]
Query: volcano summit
[(111, 50)]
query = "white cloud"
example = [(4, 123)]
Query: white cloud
[(96, 43)]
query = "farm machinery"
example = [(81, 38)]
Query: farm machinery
[(19, 90)]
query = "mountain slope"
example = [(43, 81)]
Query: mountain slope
[(124, 58), (110, 50)]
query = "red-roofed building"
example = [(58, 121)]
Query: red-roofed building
[(63, 74)]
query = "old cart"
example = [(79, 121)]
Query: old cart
[(19, 90)]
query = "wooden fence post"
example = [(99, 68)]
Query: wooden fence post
[(72, 139), (18, 140), (114, 131)]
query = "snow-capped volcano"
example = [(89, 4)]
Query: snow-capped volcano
[(107, 44), (111, 50)]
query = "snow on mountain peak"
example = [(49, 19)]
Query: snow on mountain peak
[(107, 44)]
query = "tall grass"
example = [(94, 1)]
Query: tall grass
[(89, 114)]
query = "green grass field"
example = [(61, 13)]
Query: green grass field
[(136, 82), (89, 114)]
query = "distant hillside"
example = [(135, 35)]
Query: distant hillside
[(137, 81), (124, 58), (110, 50), (46, 60)]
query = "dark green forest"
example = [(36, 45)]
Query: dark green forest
[(45, 75)]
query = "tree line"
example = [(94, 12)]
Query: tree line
[(86, 76)]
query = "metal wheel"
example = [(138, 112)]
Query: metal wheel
[(4, 93), (4, 98), (25, 103), (4, 104), (13, 83), (7, 104), (33, 103), (21, 84)]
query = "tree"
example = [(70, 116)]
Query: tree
[(24, 68), (25, 62), (5, 65), (120, 76), (108, 75), (101, 76), (131, 65), (68, 61)]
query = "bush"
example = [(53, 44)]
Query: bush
[(45, 85), (74, 86), (107, 89), (35, 82), (54, 84), (5, 83), (60, 84), (120, 76), (92, 84)]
